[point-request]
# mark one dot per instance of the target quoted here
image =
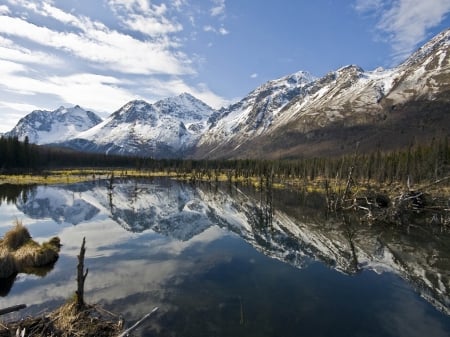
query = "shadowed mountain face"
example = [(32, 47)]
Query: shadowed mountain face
[(283, 225), (291, 117), (382, 108)]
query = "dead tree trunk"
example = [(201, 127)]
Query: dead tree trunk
[(81, 277), (12, 309)]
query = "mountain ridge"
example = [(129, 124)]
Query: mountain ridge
[(294, 116)]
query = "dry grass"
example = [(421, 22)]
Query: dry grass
[(7, 265), (67, 321), (16, 237), (20, 253)]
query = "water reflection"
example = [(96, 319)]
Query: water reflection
[(180, 246)]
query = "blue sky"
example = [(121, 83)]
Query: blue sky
[(101, 54)]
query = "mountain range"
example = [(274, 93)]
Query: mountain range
[(295, 116)]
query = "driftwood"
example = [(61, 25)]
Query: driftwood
[(400, 210), (12, 309), (134, 326)]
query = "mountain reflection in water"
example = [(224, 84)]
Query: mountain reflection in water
[(176, 240)]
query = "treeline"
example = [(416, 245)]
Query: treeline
[(18, 156), (418, 163)]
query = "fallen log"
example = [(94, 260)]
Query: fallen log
[(12, 309), (130, 329)]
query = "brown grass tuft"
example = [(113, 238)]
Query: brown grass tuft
[(7, 265), (34, 255), (20, 254), (16, 237)]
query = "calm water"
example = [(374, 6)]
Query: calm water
[(231, 262)]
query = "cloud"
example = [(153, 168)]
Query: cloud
[(221, 30), (4, 9), (11, 112), (404, 22), (51, 56), (219, 8), (254, 75), (19, 106), (12, 52), (109, 49), (93, 91), (146, 18)]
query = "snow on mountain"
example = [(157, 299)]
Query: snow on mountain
[(319, 110), (355, 96), (166, 128), (293, 116), (256, 112), (44, 127)]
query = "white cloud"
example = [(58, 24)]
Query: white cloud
[(19, 106), (209, 28), (219, 8), (178, 4), (405, 22), (105, 48), (221, 31), (368, 5), (4, 9), (97, 92), (254, 75), (150, 25), (12, 52), (143, 17), (78, 60)]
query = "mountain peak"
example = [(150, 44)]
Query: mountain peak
[(440, 42), (44, 127)]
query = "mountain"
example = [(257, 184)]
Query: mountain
[(329, 115), (45, 127), (167, 128), (291, 117), (255, 113)]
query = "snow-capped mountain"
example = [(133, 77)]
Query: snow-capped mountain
[(45, 127), (291, 117), (167, 128), (330, 114), (254, 114)]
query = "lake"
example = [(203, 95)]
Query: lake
[(230, 261)]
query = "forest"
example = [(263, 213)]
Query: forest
[(419, 163)]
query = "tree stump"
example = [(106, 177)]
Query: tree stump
[(81, 277)]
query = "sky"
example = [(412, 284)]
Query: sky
[(101, 54)]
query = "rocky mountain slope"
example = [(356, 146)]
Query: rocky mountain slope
[(291, 117), (167, 128), (44, 127), (329, 115)]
